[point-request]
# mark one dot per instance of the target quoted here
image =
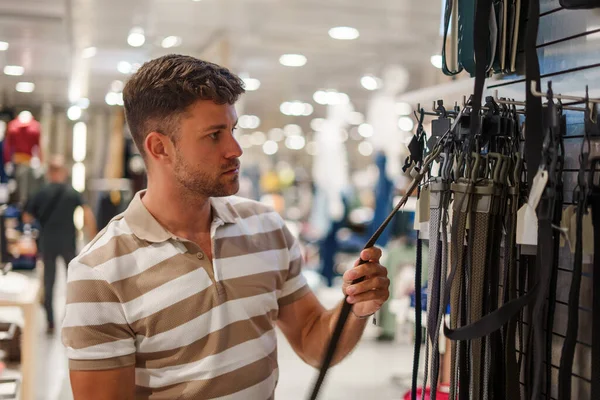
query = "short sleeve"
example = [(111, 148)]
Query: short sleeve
[(295, 285), (95, 331)]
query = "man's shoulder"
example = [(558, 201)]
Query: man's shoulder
[(243, 208), (108, 243)]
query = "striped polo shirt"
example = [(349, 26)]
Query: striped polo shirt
[(138, 295)]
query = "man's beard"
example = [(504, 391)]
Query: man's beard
[(204, 184)]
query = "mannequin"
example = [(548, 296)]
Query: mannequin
[(382, 116), (22, 155), (22, 140), (331, 177)]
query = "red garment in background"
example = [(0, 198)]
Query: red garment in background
[(21, 138)]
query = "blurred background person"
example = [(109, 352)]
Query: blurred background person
[(54, 207)]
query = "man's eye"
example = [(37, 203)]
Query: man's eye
[(214, 136)]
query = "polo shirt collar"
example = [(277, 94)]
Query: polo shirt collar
[(223, 210), (146, 227)]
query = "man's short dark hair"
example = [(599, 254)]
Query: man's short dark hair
[(162, 89)]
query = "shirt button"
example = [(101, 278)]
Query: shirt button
[(200, 255)]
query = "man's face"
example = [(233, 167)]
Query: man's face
[(207, 154)]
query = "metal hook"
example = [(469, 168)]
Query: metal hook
[(536, 93)]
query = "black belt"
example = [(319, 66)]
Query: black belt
[(511, 368), (418, 313), (568, 350), (533, 112)]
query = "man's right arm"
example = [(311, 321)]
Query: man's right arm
[(99, 340), (115, 384)]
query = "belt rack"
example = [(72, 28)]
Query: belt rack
[(554, 166), (486, 183)]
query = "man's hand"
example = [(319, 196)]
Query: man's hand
[(369, 295)]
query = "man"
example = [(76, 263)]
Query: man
[(178, 297), (53, 206)]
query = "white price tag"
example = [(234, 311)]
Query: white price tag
[(424, 234), (539, 184), (527, 226)]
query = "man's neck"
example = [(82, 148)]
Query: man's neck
[(183, 215)]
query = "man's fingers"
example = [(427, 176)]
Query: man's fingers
[(369, 269), (372, 254), (380, 295), (377, 283)]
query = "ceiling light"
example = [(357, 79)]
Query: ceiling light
[(334, 98), (136, 37), (308, 110), (74, 113), (270, 147), (286, 108), (312, 148), (330, 97), (14, 70), (296, 108), (3, 46), (79, 141), (317, 124), (365, 148), (370, 82), (276, 134), (356, 118), (292, 130), (25, 87), (365, 130), (245, 141), (251, 84), (84, 103), (344, 33), (78, 177), (249, 122), (406, 124), (292, 60), (89, 52), (124, 67), (403, 109), (320, 97), (112, 98), (171, 41), (258, 138), (436, 61), (295, 142), (117, 86)]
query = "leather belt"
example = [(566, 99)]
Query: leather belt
[(462, 196), (418, 314), (438, 200), (511, 372)]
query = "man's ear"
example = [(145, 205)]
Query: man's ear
[(159, 147)]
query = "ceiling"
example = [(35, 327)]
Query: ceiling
[(47, 38)]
